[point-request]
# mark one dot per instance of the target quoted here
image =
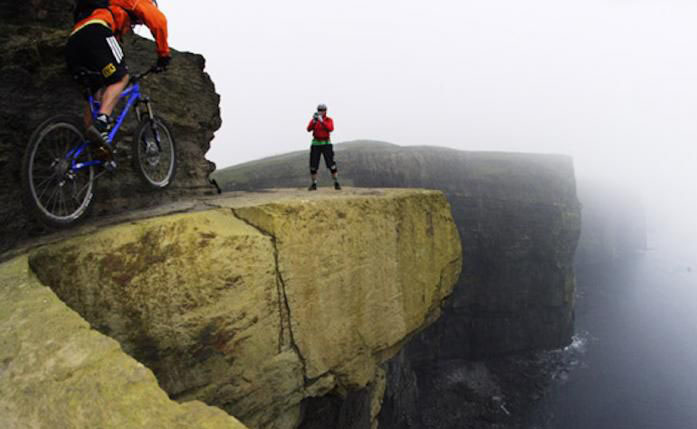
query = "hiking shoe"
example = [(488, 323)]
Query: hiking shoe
[(337, 186), (312, 187)]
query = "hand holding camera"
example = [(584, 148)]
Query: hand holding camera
[(317, 116)]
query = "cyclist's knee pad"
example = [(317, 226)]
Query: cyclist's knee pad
[(313, 171), (334, 169)]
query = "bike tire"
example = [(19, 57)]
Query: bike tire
[(38, 175), (156, 165)]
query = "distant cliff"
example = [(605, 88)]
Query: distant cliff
[(279, 308), (614, 224), (519, 220), (35, 84)]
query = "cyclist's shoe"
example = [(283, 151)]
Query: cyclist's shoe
[(103, 153), (312, 187), (98, 133), (337, 186)]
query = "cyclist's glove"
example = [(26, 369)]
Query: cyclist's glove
[(162, 64)]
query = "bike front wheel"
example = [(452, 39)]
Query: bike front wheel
[(155, 153), (55, 193)]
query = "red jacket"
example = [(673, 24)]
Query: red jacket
[(321, 129)]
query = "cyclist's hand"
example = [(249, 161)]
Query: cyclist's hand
[(162, 64), (316, 116)]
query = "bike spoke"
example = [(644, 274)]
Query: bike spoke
[(46, 188), (157, 172), (47, 180), (56, 149), (51, 201), (60, 194), (80, 191), (65, 201), (60, 201)]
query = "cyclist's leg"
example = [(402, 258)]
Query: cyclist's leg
[(111, 64), (111, 95), (95, 48)]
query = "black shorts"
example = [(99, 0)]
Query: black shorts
[(95, 48), (316, 152)]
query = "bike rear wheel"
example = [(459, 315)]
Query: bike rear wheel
[(155, 153), (55, 194)]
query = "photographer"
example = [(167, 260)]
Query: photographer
[(321, 127)]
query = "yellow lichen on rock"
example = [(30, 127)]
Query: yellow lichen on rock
[(192, 296), (265, 301), (360, 274), (56, 372)]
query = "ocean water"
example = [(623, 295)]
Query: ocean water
[(633, 362)]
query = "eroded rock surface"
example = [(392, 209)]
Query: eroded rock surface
[(265, 306), (57, 372), (36, 85), (519, 220)]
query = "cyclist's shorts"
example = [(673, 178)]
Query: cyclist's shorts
[(95, 48)]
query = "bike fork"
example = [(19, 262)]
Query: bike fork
[(148, 109), (151, 117)]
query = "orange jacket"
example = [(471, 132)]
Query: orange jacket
[(118, 20)]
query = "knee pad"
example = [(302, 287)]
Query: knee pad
[(334, 169), (313, 171)]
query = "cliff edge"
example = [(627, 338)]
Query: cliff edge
[(260, 305), (519, 219)]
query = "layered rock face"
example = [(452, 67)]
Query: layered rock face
[(278, 308), (56, 372), (36, 85), (519, 220)]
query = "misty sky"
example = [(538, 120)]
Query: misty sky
[(612, 83)]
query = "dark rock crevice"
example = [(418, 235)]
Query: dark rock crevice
[(349, 411), (518, 217), (284, 305)]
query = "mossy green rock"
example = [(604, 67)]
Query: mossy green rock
[(265, 301), (57, 372)]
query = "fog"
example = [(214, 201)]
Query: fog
[(612, 83)]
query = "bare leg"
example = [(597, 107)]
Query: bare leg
[(314, 177), (111, 96)]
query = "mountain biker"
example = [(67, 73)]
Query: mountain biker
[(321, 127), (94, 45)]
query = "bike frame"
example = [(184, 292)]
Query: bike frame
[(133, 95)]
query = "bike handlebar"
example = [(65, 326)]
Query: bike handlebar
[(141, 76)]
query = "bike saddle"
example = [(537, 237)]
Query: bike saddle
[(88, 78)]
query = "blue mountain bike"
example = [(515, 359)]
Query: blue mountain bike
[(60, 165)]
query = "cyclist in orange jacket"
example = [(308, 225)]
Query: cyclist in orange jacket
[(94, 45)]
